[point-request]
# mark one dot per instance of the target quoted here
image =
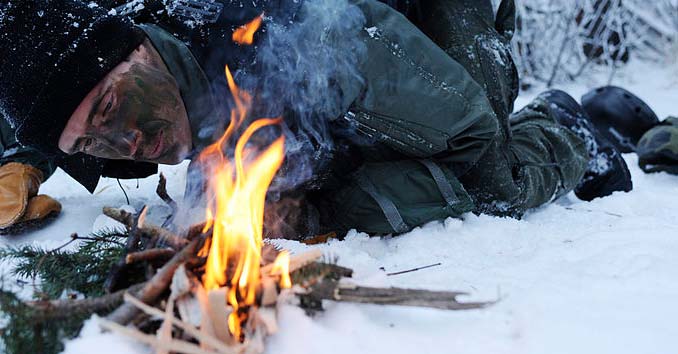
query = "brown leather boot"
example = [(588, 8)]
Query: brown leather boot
[(19, 205)]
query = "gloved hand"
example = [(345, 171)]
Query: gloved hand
[(20, 206), (658, 148)]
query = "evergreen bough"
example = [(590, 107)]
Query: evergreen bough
[(57, 274)]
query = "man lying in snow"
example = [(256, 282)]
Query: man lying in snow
[(390, 122)]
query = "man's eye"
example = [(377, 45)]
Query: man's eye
[(87, 144), (108, 107)]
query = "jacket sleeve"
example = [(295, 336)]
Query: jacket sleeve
[(12, 151), (415, 98)]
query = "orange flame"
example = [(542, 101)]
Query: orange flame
[(245, 33), (236, 214), (281, 267)]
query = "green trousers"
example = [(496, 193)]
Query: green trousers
[(541, 161), (533, 159)]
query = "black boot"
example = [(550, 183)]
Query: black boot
[(619, 115), (607, 171)]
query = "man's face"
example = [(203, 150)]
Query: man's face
[(134, 113)]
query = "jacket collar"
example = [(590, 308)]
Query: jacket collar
[(206, 118)]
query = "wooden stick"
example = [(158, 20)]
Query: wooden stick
[(190, 329), (154, 231), (157, 285), (57, 309), (134, 236), (320, 239), (195, 230), (150, 255), (173, 345), (297, 261), (161, 191), (445, 300)]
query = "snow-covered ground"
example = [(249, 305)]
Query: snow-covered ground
[(571, 277)]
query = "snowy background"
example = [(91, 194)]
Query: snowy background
[(571, 277)]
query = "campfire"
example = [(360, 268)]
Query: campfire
[(216, 287), (236, 216)]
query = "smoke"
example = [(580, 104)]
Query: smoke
[(307, 71)]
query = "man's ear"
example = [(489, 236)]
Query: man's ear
[(140, 54), (146, 53)]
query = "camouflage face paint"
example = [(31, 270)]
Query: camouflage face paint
[(145, 118)]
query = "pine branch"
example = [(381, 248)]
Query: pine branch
[(82, 270), (61, 309)]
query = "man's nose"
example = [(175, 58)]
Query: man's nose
[(125, 144), (131, 140)]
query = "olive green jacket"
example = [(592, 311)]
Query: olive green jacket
[(424, 117)]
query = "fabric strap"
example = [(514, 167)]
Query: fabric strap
[(387, 206), (444, 185)]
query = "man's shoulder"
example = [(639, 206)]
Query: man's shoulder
[(186, 16)]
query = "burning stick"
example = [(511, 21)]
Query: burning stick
[(297, 262), (173, 345), (157, 285), (191, 330)]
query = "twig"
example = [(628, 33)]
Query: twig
[(157, 285), (161, 191), (329, 289), (134, 236), (297, 262), (100, 239), (74, 237), (153, 231), (57, 309), (195, 231), (135, 230), (316, 240), (173, 345), (188, 328), (596, 211), (413, 269), (150, 255)]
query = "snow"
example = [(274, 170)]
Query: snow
[(571, 277)]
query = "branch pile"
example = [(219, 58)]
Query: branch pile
[(151, 290)]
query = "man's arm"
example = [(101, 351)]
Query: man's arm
[(12, 151), (22, 170), (416, 99)]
